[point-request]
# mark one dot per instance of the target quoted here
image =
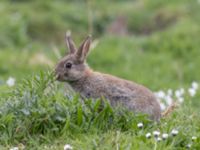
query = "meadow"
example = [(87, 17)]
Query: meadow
[(154, 43)]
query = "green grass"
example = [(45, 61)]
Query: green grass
[(161, 51), (39, 111)]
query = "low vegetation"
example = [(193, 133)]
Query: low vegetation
[(158, 47)]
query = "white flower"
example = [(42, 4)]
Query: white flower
[(158, 139), (168, 100), (140, 125), (195, 85), (181, 99), (174, 132), (148, 135), (194, 138), (165, 136), (189, 146), (162, 106), (179, 93), (68, 147), (156, 133), (14, 148), (192, 92), (160, 94), (10, 82)]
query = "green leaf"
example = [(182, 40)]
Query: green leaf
[(79, 115)]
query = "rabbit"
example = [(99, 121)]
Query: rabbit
[(90, 84)]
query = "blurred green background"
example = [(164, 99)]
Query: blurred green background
[(152, 42), (155, 43)]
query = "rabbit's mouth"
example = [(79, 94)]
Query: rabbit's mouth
[(58, 77), (61, 77)]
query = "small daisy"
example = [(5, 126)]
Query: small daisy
[(160, 94), (158, 139), (156, 133), (174, 132), (68, 147), (148, 135), (164, 136), (192, 92), (195, 85), (168, 100), (189, 146), (162, 106), (194, 138), (10, 82), (178, 93), (140, 125), (181, 99)]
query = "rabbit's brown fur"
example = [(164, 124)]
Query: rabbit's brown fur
[(73, 69)]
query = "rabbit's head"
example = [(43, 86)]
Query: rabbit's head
[(72, 67)]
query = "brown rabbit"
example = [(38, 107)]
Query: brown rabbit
[(74, 70)]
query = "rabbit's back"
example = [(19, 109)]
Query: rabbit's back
[(135, 97)]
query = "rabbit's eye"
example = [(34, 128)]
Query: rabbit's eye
[(68, 65)]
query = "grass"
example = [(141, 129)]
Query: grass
[(39, 111), (160, 51)]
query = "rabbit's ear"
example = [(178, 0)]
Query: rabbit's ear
[(70, 44), (84, 49)]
